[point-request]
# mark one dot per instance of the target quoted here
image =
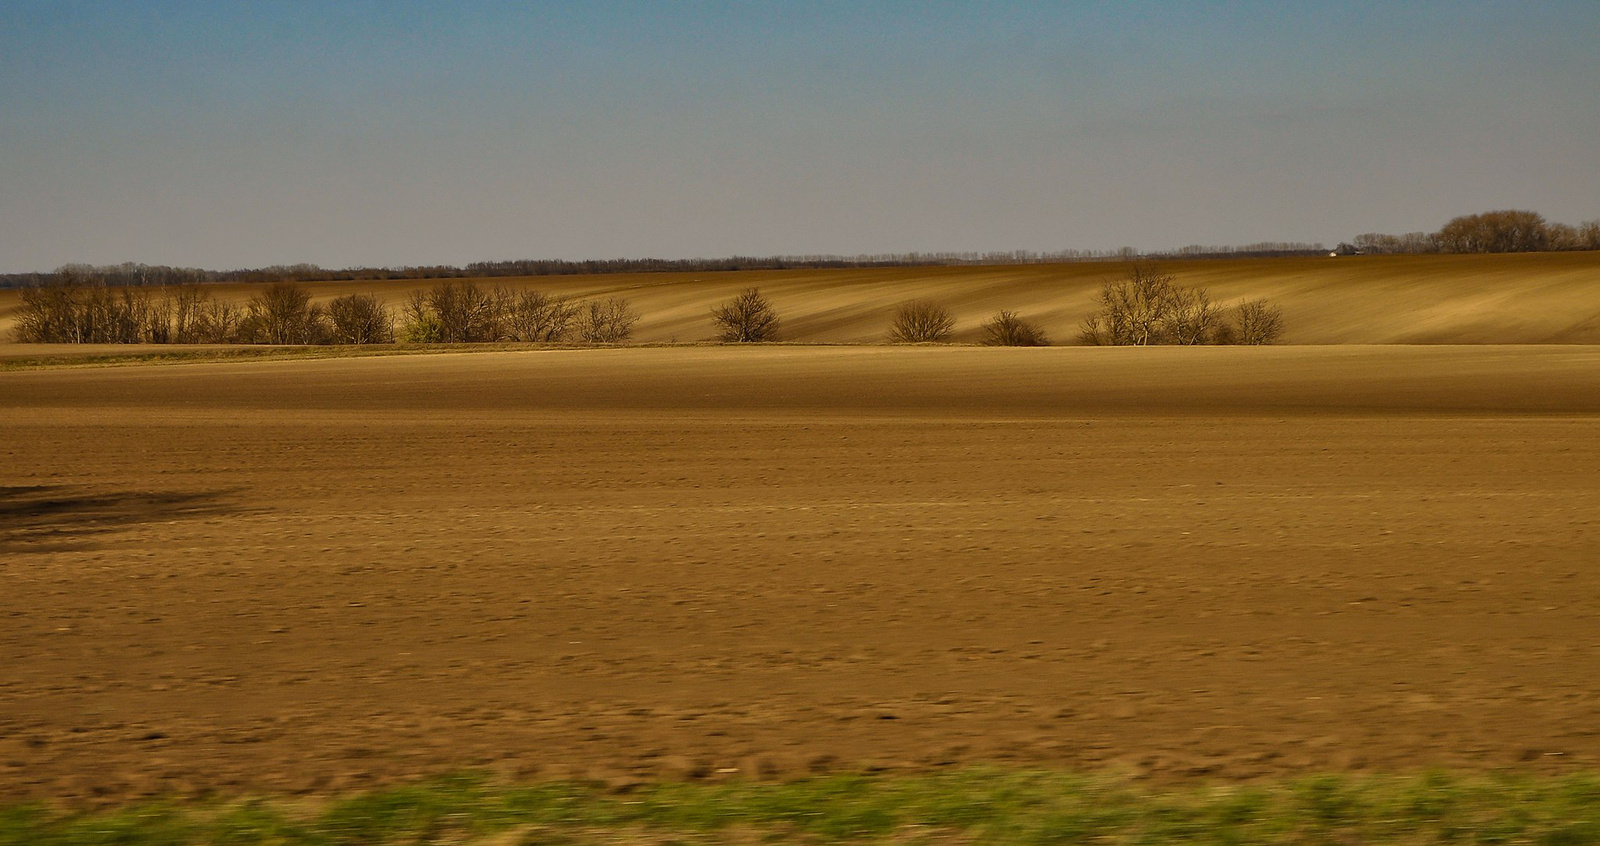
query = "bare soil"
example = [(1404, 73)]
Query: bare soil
[(715, 562)]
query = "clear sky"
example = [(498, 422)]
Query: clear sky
[(231, 134)]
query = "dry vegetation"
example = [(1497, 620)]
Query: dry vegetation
[(747, 318), (1007, 329), (921, 321), (1148, 307)]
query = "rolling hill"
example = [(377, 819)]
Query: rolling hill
[(1535, 298)]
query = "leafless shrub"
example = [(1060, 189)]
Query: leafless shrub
[(608, 321), (98, 315), (467, 313), (282, 313), (49, 315), (537, 317), (1006, 329), (1146, 307), (151, 320), (1257, 322), (187, 304), (1191, 317), (198, 319), (1134, 310), (217, 323), (920, 321), (360, 319), (746, 318)]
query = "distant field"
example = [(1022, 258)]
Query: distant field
[(1507, 299)]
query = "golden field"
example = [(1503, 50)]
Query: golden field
[(1471, 299)]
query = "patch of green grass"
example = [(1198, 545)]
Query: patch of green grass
[(979, 806)]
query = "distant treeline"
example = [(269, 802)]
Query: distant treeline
[(1507, 231), (137, 275)]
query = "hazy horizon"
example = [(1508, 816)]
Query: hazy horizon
[(385, 134)]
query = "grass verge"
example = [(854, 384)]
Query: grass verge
[(971, 806)]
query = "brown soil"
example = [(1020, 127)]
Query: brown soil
[(1225, 563)]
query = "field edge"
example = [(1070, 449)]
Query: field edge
[(979, 804)]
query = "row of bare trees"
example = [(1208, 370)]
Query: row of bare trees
[(283, 313), (1147, 307)]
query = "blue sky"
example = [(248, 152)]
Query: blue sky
[(223, 134)]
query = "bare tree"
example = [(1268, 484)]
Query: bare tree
[(97, 309), (608, 321), (198, 319), (921, 321), (187, 305), (141, 317), (746, 318), (48, 314), (360, 319), (282, 313), (538, 317), (1135, 310), (1191, 318), (1147, 306), (218, 323), (1006, 329), (466, 312), (1257, 322)]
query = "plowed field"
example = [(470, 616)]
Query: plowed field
[(718, 562)]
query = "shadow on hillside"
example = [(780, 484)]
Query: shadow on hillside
[(54, 518)]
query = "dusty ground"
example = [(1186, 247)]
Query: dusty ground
[(1528, 298), (314, 575)]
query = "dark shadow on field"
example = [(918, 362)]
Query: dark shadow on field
[(55, 518)]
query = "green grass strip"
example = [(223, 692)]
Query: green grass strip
[(977, 806)]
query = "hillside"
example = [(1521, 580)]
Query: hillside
[(1474, 299)]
